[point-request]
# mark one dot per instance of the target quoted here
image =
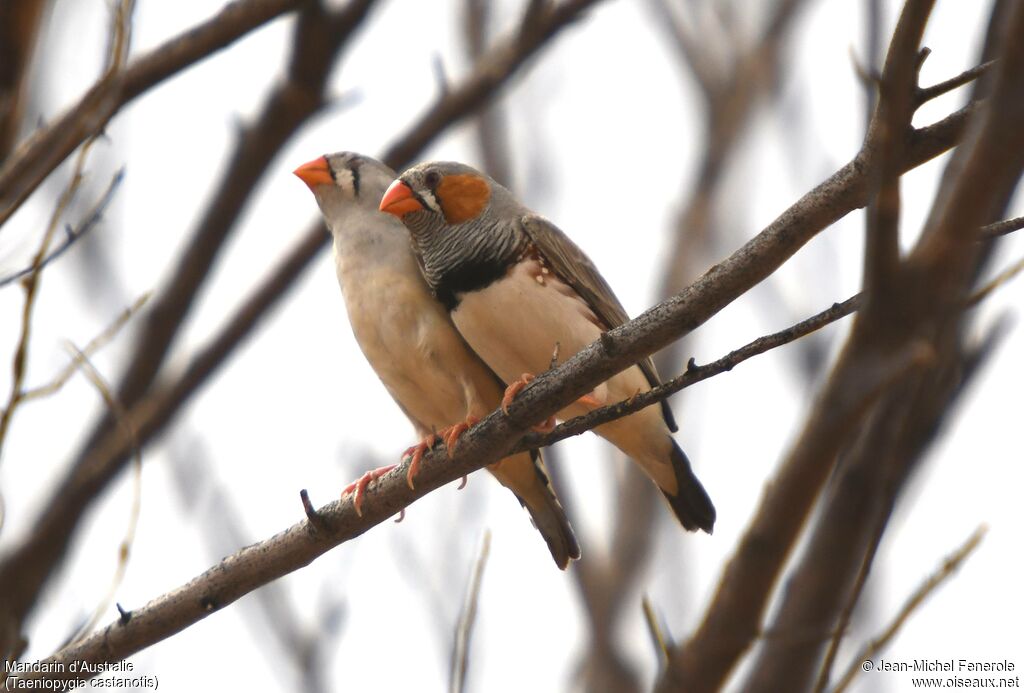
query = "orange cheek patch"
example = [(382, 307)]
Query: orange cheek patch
[(462, 197)]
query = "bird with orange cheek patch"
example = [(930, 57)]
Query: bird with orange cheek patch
[(519, 290), (410, 341)]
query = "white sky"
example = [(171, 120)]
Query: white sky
[(612, 121)]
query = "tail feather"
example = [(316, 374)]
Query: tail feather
[(691, 503), (526, 476)]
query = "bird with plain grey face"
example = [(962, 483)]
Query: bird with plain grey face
[(519, 290), (409, 339)]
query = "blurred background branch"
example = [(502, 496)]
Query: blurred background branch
[(914, 356)]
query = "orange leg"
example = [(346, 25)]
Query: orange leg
[(451, 437), (514, 389), (452, 434), (359, 486), (548, 425), (417, 452)]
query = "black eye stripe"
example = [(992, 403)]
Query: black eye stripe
[(355, 179)]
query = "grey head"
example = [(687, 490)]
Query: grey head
[(343, 179), (465, 227)]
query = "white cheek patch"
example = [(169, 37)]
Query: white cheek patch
[(345, 179), (431, 201)]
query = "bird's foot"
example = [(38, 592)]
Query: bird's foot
[(416, 452), (359, 486), (590, 402), (514, 389), (451, 436)]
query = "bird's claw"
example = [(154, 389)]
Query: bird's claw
[(360, 484), (452, 434), (545, 426), (416, 452), (514, 389)]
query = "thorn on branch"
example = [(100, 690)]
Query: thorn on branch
[(125, 614), (316, 521), (691, 365), (554, 356), (922, 55)]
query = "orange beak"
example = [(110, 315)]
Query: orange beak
[(399, 200), (315, 172)]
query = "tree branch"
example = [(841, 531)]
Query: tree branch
[(71, 235), (926, 309), (483, 444), (732, 620), (1001, 228), (924, 590), (502, 61), (693, 375), (895, 109), (47, 148), (24, 569)]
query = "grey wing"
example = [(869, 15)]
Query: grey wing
[(571, 264)]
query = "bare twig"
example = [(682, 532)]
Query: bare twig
[(490, 130), (289, 550), (998, 281), (872, 52), (120, 32), (94, 345), (605, 580), (82, 361), (694, 374), (662, 642), (949, 566), (494, 69), (319, 37), (481, 445), (303, 645), (926, 309), (732, 619), (464, 629), (732, 93), (30, 283), (926, 94), (1001, 228), (46, 149), (892, 119), (24, 570), (71, 235)]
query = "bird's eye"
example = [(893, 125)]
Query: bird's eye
[(432, 179)]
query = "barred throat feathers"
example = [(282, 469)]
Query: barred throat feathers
[(466, 257)]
